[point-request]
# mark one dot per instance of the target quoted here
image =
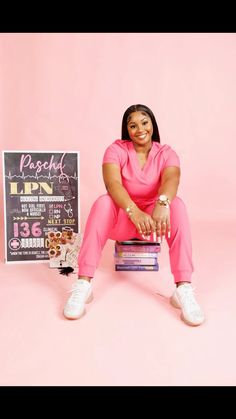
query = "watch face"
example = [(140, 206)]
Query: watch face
[(163, 197)]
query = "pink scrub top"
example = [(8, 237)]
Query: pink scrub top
[(141, 184)]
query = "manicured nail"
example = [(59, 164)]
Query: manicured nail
[(154, 236), (158, 240), (168, 235)]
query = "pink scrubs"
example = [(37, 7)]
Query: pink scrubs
[(107, 221)]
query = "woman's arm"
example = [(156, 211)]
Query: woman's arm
[(113, 182), (161, 214), (169, 182)]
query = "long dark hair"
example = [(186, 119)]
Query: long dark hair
[(144, 109)]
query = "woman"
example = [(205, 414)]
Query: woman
[(141, 177)]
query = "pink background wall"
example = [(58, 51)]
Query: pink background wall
[(69, 92)]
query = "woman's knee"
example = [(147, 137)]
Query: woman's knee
[(178, 209), (104, 204), (178, 203)]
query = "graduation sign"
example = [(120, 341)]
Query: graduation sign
[(41, 194)]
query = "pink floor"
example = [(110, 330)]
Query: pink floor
[(130, 334)]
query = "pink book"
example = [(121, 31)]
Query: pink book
[(138, 248), (135, 261)]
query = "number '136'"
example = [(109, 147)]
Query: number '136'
[(25, 231)]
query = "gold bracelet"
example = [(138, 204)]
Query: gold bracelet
[(129, 209)]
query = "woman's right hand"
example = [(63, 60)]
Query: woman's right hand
[(143, 222)]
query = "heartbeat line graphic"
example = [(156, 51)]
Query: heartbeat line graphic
[(37, 177)]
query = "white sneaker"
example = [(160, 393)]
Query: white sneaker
[(81, 294), (184, 298)]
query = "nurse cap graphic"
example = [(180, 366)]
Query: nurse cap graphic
[(64, 188)]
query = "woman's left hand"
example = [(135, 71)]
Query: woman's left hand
[(161, 217)]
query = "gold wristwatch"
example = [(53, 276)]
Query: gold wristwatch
[(163, 200)]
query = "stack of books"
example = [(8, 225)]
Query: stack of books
[(136, 255)]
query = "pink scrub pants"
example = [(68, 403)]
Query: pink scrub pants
[(107, 221)]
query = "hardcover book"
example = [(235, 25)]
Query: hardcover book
[(137, 267), (137, 246), (136, 254), (138, 242), (135, 261)]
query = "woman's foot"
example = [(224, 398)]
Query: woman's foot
[(81, 294), (184, 299)]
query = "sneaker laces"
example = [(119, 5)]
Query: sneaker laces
[(187, 298), (78, 293)]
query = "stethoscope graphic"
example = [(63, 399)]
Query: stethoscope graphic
[(69, 210)]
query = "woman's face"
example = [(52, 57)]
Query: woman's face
[(140, 128)]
